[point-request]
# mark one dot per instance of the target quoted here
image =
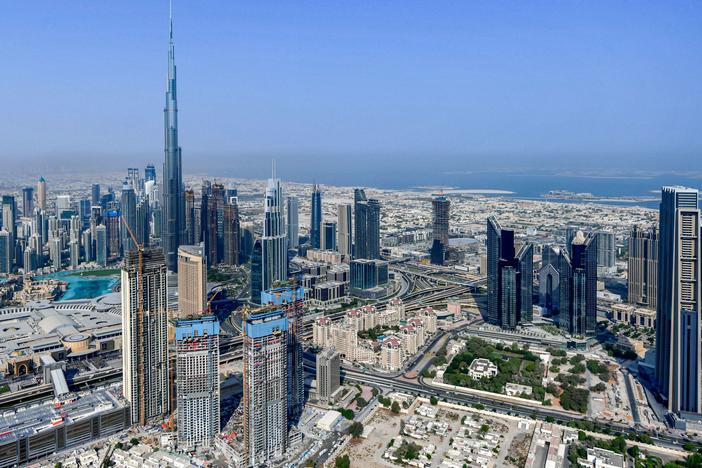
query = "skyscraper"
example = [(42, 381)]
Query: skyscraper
[(5, 252), (95, 194), (231, 233), (316, 217), (328, 234), (41, 193), (190, 226), (642, 274), (150, 173), (142, 228), (345, 241), (265, 400), (678, 370), (197, 381), (577, 271), (27, 201), (274, 250), (9, 218), (293, 226), (101, 252), (606, 252), (256, 272), (173, 224), (290, 299), (127, 204), (144, 335), (366, 226), (440, 229), (192, 280), (510, 278)]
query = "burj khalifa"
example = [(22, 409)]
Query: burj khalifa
[(173, 198)]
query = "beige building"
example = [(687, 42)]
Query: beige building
[(391, 354), (322, 332), (192, 280)]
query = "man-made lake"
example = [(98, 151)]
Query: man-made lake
[(84, 287)]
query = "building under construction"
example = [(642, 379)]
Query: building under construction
[(197, 350), (290, 299), (265, 399), (145, 335)]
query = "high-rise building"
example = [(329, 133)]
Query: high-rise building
[(197, 380), (678, 366), (101, 252), (192, 280), (95, 194), (256, 272), (9, 218), (27, 201), (231, 233), (274, 251), (5, 252), (213, 227), (190, 226), (328, 373), (88, 254), (366, 226), (143, 216), (293, 226), (173, 224), (328, 236), (642, 275), (606, 252), (577, 271), (145, 373), (150, 173), (291, 299), (316, 218), (510, 278), (112, 226), (127, 206), (265, 399), (41, 193), (345, 240), (440, 229)]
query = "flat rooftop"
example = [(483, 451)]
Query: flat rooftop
[(29, 420)]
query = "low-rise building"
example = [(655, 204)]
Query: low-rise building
[(482, 368)]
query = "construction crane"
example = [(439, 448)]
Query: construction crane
[(140, 322)]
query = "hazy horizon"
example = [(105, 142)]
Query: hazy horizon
[(588, 87)]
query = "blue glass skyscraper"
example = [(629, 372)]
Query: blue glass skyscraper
[(316, 218)]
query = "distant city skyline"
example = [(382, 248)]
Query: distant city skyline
[(578, 86)]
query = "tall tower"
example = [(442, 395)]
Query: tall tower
[(345, 242), (231, 233), (127, 207), (265, 400), (41, 193), (510, 277), (577, 271), (197, 381), (174, 203), (290, 299), (274, 250), (293, 231), (144, 335), (27, 201), (642, 273), (440, 229), (360, 221), (316, 217), (678, 369), (192, 280)]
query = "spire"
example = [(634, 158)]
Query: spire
[(170, 18), (273, 168)]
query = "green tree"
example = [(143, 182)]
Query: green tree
[(433, 400), (395, 408), (342, 462), (356, 429)]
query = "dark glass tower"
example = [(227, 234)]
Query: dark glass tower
[(316, 218), (173, 224), (578, 286), (440, 229), (510, 278)]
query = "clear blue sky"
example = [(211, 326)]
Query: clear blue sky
[(470, 84)]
